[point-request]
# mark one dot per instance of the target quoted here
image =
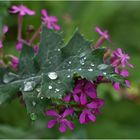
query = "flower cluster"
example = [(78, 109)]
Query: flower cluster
[(83, 101), (87, 105), (119, 61)]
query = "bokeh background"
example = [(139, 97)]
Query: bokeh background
[(120, 116)]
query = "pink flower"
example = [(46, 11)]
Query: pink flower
[(36, 48), (19, 46), (22, 10), (102, 33), (82, 90), (50, 21), (61, 119), (123, 72), (86, 116), (4, 31), (116, 85), (119, 58), (15, 62)]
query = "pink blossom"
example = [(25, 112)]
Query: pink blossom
[(36, 48), (61, 119), (15, 62), (123, 72), (84, 89), (19, 46), (4, 31), (22, 10), (102, 33), (116, 86), (119, 58), (50, 21)]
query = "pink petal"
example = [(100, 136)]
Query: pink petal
[(5, 29), (67, 112), (44, 13), (67, 98), (127, 83), (76, 98), (124, 73), (52, 113), (90, 90), (57, 27), (1, 45), (92, 117), (92, 105), (98, 30), (82, 117), (69, 124), (120, 51), (19, 46), (116, 86), (62, 127), (83, 99), (51, 123)]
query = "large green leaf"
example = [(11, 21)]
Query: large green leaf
[(49, 74)]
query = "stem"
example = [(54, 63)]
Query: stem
[(35, 34), (99, 42), (20, 19)]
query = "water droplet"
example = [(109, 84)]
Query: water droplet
[(79, 69), (52, 75), (102, 66), (38, 95), (68, 76), (68, 69), (92, 65), (90, 69), (82, 54), (38, 89), (69, 62), (104, 73), (41, 98), (29, 86), (50, 62), (85, 58), (50, 87), (34, 103), (58, 49), (33, 116), (57, 90), (82, 61)]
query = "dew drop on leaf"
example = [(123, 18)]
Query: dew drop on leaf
[(50, 87), (90, 69), (52, 75), (34, 103), (92, 65), (79, 69), (29, 86), (68, 76), (102, 66), (82, 61), (104, 73), (57, 89), (41, 98), (33, 116), (69, 62)]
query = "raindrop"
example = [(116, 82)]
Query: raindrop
[(85, 58), (38, 89), (69, 62), (90, 69), (41, 98), (104, 73), (58, 49), (29, 86), (57, 89), (102, 66), (52, 75), (68, 69), (34, 103), (33, 116), (92, 65), (82, 54), (68, 76), (50, 87), (79, 69), (82, 62)]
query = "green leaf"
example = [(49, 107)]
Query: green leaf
[(50, 73)]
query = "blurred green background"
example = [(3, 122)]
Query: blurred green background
[(120, 116)]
